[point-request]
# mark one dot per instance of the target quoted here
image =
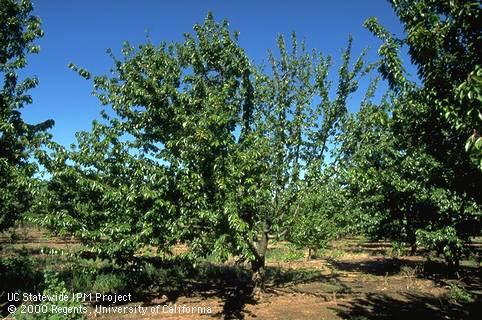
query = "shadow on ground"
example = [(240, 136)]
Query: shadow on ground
[(436, 270), (229, 283), (371, 248), (408, 306), (412, 305)]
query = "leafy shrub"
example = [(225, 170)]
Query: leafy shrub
[(48, 310), (398, 249), (85, 271), (82, 281), (459, 294), (109, 283), (19, 273), (444, 241), (318, 219)]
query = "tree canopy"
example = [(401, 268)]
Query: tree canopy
[(19, 30), (418, 184), (198, 145)]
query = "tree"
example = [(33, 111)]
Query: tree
[(283, 148), (423, 181), (397, 191), (300, 133), (320, 214), (200, 147), (157, 170), (296, 132), (443, 39), (18, 140), (391, 185)]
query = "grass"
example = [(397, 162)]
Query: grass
[(334, 253), (459, 294), (284, 253)]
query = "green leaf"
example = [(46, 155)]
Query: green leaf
[(468, 144)]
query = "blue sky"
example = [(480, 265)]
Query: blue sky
[(82, 31)]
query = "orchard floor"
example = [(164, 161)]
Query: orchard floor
[(353, 279)]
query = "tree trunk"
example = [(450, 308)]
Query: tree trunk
[(413, 248), (411, 238), (312, 252), (257, 266), (453, 263)]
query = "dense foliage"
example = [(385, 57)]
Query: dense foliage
[(409, 168), (18, 140), (199, 146)]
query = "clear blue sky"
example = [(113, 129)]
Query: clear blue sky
[(81, 31)]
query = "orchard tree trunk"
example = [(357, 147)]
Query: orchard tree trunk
[(413, 248), (312, 253), (258, 264), (411, 237), (453, 263)]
